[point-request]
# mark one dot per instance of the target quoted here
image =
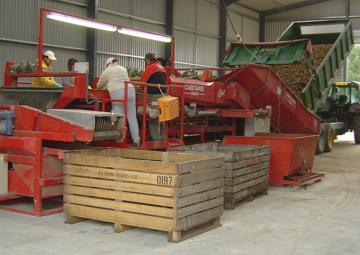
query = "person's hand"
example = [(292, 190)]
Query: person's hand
[(57, 85)]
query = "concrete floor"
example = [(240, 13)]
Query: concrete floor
[(323, 219)]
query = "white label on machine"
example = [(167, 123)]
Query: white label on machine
[(195, 90), (322, 29), (279, 91), (291, 100), (3, 176), (82, 67)]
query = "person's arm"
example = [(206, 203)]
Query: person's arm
[(102, 81)]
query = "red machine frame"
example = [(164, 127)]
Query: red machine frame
[(20, 152)]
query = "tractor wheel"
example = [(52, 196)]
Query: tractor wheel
[(356, 124), (330, 137), (320, 147)]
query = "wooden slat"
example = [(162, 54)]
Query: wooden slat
[(242, 194), (125, 218), (246, 177), (119, 205), (158, 156), (201, 176), (124, 186), (184, 157), (252, 152), (199, 197), (197, 188), (127, 196), (178, 236), (108, 152), (236, 188), (142, 154), (191, 166), (246, 170), (198, 218), (196, 147), (228, 156), (121, 175), (246, 162), (186, 211), (231, 153), (126, 164)]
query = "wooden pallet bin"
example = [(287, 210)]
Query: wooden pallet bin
[(181, 194), (246, 168)]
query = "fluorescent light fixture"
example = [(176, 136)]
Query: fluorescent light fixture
[(137, 33), (81, 22)]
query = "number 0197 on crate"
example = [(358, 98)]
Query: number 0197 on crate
[(182, 194)]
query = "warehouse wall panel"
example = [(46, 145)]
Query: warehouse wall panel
[(354, 7), (205, 53), (113, 41), (196, 31), (243, 11), (273, 30), (84, 2), (315, 11), (185, 13), (61, 33), (19, 23), (122, 6), (208, 18), (237, 21), (250, 30), (127, 49), (185, 50), (141, 46), (356, 24), (17, 53), (216, 2), (152, 10)]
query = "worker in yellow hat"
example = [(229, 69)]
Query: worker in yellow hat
[(47, 59)]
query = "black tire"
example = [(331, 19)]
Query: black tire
[(356, 125), (320, 146), (330, 137)]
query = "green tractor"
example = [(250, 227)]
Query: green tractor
[(339, 113)]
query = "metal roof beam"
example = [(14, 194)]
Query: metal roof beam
[(293, 6), (246, 7)]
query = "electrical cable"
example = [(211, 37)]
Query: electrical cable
[(238, 36)]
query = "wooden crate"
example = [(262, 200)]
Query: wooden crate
[(246, 168), (174, 192)]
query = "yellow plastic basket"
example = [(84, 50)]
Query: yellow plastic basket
[(169, 108)]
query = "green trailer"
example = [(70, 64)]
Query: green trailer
[(339, 33), (295, 46)]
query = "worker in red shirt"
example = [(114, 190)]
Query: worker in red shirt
[(154, 74)]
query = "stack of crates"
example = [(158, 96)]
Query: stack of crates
[(246, 168), (181, 194)]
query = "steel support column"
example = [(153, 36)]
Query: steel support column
[(222, 31), (262, 27), (347, 8), (169, 29), (92, 42), (222, 34)]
